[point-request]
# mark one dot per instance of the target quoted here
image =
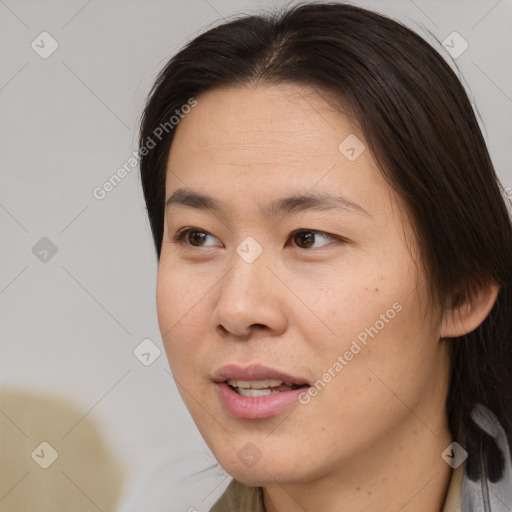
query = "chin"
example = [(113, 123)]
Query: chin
[(257, 477), (245, 466)]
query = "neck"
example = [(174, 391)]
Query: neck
[(403, 472)]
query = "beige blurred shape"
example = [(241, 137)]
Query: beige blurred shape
[(84, 476)]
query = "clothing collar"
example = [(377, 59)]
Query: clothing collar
[(482, 494)]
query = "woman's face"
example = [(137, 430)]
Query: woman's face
[(321, 292)]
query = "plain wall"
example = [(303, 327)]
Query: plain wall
[(70, 321)]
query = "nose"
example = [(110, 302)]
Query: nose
[(250, 299)]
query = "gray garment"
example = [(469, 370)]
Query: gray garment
[(483, 495)]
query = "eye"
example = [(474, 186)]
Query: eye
[(304, 238), (307, 237), (182, 237)]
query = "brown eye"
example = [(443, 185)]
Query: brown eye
[(305, 239), (195, 237), (191, 237)]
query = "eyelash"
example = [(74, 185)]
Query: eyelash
[(179, 237)]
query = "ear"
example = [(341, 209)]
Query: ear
[(469, 311)]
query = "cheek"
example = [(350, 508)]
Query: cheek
[(376, 322), (180, 305), (360, 304), (389, 356)]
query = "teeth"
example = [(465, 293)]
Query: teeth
[(255, 384), (255, 388), (254, 392)]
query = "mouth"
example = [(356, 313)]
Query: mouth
[(256, 392), (256, 388)]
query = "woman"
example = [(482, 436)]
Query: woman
[(334, 281)]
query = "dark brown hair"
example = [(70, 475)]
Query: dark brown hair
[(422, 131)]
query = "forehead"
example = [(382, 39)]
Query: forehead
[(272, 135), (286, 122)]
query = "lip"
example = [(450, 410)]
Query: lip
[(254, 372), (261, 407)]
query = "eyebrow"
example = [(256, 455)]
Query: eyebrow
[(286, 205)]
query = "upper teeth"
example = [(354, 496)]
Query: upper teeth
[(256, 384)]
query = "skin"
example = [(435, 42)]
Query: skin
[(372, 438)]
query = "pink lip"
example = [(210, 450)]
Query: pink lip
[(254, 372), (252, 408)]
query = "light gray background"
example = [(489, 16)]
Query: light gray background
[(69, 325)]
